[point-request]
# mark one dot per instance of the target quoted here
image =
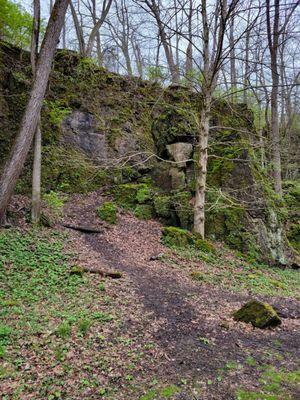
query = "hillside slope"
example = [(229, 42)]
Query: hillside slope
[(105, 130)]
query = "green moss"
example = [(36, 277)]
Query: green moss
[(108, 212), (144, 194), (162, 206), (143, 211), (177, 237), (260, 315), (168, 391), (77, 270), (128, 195), (204, 245), (184, 210), (293, 235), (69, 170), (176, 120)]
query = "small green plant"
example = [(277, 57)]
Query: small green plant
[(84, 326), (57, 111), (101, 287), (55, 201), (108, 212), (205, 340), (5, 332), (63, 331), (102, 317), (144, 194), (143, 211), (169, 391)]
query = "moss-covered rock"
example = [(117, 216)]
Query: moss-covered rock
[(144, 193), (143, 211), (181, 200), (204, 245), (162, 206), (128, 195), (177, 237), (108, 212), (260, 315)]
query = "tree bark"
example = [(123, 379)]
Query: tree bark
[(201, 168), (273, 42), (19, 151), (36, 171)]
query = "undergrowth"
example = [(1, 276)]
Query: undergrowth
[(235, 273)]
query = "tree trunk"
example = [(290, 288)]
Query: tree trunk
[(232, 63), (273, 43), (96, 27), (36, 177), (201, 168), (78, 30), (19, 151), (36, 171)]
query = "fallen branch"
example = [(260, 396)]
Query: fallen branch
[(85, 229), (79, 270)]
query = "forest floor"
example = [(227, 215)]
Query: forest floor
[(153, 334)]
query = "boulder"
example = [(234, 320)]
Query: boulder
[(180, 152), (260, 315)]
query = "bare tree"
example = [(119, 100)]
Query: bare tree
[(154, 7), (274, 34), (86, 46), (213, 53)]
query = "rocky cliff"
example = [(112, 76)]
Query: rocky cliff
[(132, 136)]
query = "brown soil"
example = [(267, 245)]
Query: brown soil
[(190, 322)]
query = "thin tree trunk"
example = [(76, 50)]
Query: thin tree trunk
[(36, 171), (232, 63), (20, 149), (201, 169), (36, 177), (189, 50), (273, 42), (78, 30), (97, 26), (246, 71)]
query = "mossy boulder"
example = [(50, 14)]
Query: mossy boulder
[(128, 195), (177, 237), (260, 315), (143, 211), (108, 212), (162, 206), (144, 193), (204, 245)]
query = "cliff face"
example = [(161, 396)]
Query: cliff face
[(102, 129)]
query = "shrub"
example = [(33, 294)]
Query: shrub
[(177, 237), (108, 212), (143, 211)]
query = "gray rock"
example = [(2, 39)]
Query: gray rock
[(180, 152), (177, 178)]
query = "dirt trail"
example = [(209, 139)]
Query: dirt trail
[(195, 330)]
